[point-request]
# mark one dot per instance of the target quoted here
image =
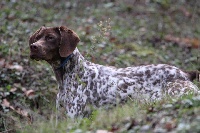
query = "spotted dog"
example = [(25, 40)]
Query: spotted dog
[(84, 83)]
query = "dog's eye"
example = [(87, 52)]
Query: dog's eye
[(49, 38), (37, 38)]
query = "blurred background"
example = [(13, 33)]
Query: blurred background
[(120, 33)]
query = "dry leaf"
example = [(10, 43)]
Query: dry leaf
[(103, 131), (18, 110), (5, 103), (13, 89), (18, 85), (22, 112), (2, 62), (16, 67), (29, 93), (185, 12), (23, 89), (170, 125), (187, 42)]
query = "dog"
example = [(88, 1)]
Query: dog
[(84, 83)]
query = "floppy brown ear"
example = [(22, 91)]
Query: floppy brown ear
[(69, 41), (32, 37)]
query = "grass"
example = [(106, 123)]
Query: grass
[(135, 35), (95, 121), (165, 115)]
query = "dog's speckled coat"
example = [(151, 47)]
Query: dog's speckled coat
[(88, 83), (82, 82)]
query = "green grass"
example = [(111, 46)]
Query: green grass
[(166, 114), (136, 31)]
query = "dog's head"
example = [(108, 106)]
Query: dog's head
[(51, 43)]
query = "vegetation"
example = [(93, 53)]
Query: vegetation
[(113, 32)]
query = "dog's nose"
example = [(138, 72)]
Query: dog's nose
[(34, 47)]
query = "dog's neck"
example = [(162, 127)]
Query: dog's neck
[(73, 64)]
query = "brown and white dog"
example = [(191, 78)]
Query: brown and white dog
[(82, 82)]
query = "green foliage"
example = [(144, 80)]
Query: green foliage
[(164, 3)]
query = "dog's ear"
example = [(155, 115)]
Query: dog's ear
[(68, 42), (33, 37)]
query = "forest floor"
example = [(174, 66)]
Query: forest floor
[(112, 32)]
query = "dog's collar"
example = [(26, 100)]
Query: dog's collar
[(64, 61)]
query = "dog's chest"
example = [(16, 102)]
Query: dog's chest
[(88, 83)]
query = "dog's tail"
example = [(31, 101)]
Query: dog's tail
[(193, 75)]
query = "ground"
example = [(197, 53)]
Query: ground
[(112, 32)]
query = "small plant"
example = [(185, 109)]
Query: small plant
[(101, 37)]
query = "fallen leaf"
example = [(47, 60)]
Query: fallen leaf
[(103, 131), (23, 89), (22, 112), (114, 128), (5, 103), (87, 30), (2, 62), (185, 12), (29, 93), (16, 67), (13, 89), (170, 125), (187, 42), (18, 85), (18, 110)]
